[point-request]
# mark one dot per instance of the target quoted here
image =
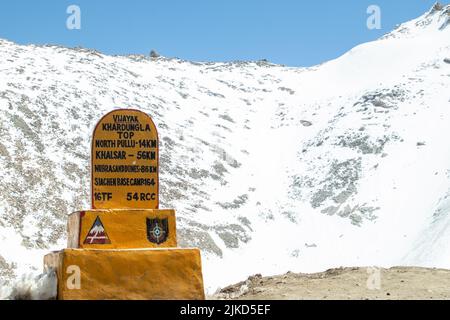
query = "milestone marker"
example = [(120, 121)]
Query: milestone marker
[(125, 247), (125, 161)]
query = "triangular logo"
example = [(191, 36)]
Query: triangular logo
[(97, 234)]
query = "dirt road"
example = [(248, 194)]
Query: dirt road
[(346, 283)]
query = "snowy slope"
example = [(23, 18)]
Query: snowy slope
[(270, 168)]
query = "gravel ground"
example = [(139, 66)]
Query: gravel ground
[(397, 283)]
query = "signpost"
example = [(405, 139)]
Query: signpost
[(125, 247), (124, 161)]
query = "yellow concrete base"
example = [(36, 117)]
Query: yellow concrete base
[(138, 274), (122, 229)]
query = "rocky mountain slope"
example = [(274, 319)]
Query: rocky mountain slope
[(270, 168)]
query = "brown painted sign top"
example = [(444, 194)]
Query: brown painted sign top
[(124, 161)]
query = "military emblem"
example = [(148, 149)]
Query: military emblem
[(97, 234), (157, 230)]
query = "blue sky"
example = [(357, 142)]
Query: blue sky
[(295, 33)]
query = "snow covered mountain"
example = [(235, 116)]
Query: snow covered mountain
[(270, 168)]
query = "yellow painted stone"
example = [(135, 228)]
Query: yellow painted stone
[(125, 161), (122, 229), (133, 274)]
